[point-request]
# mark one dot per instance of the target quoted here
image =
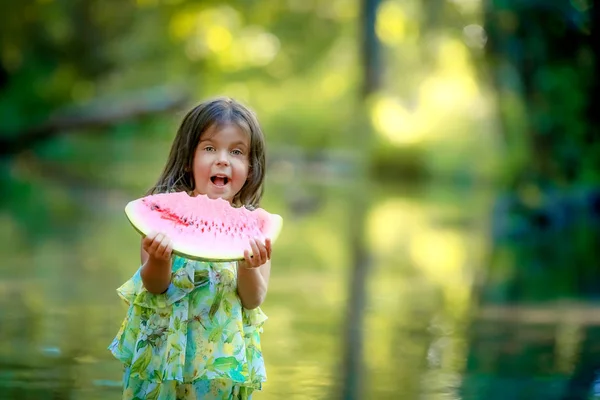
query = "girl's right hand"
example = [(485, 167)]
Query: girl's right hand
[(158, 246)]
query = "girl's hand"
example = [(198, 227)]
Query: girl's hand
[(158, 246), (261, 253)]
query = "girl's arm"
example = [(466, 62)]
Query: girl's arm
[(253, 284), (253, 275), (155, 254)]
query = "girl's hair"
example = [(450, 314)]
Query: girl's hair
[(177, 174)]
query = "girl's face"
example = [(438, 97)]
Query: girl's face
[(221, 162)]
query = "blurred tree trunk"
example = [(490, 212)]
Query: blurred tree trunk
[(370, 50), (353, 361), (543, 57)]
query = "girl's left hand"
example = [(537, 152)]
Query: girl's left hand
[(261, 253)]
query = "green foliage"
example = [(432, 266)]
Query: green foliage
[(542, 59)]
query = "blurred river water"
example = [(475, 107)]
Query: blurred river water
[(425, 336)]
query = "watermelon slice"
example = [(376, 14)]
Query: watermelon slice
[(202, 228)]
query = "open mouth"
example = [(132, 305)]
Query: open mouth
[(219, 180)]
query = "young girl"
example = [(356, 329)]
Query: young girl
[(193, 328)]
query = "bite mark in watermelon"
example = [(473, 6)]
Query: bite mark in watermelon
[(202, 228)]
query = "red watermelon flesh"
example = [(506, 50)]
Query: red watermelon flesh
[(202, 228)]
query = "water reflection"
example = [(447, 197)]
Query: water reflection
[(439, 322), (536, 327), (539, 352)]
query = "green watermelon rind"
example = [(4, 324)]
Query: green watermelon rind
[(275, 220)]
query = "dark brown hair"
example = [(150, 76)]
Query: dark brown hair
[(177, 174)]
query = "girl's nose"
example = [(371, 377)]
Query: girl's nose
[(222, 158)]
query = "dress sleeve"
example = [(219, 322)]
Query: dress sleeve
[(182, 283)]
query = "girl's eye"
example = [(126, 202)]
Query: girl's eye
[(209, 148), (237, 152)]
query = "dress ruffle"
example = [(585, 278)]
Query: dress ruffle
[(134, 292), (197, 329)]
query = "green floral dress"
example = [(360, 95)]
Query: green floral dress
[(195, 341)]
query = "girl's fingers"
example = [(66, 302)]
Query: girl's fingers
[(268, 246), (255, 253), (163, 244), (263, 253), (147, 241), (247, 258), (168, 249), (156, 243)]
